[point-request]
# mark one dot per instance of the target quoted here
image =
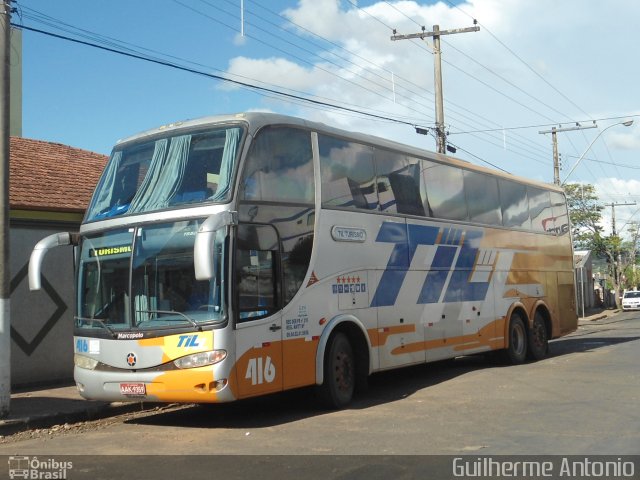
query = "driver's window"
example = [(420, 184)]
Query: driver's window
[(256, 274)]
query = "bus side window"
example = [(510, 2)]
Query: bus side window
[(482, 198), (445, 191), (540, 209), (279, 167), (348, 177), (256, 272), (560, 214), (515, 206), (398, 179)]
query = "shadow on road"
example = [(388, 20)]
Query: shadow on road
[(384, 387), (584, 343)]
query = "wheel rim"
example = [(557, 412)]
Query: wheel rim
[(517, 339)]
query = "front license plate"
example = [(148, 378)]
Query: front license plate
[(133, 389)]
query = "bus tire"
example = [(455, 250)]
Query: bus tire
[(538, 338), (516, 352), (339, 372)]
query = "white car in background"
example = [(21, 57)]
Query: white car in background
[(631, 300)]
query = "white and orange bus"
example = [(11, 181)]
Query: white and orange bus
[(240, 255)]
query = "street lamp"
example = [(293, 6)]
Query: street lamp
[(626, 123)]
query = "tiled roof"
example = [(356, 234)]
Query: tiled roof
[(52, 176)]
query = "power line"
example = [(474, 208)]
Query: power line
[(475, 78), (303, 60), (533, 70), (210, 75), (342, 58), (508, 82), (499, 76), (278, 93), (262, 90), (491, 87), (50, 21), (621, 165), (543, 125), (538, 146)]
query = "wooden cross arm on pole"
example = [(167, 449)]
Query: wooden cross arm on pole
[(422, 35)]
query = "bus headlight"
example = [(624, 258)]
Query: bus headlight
[(82, 361), (201, 359)]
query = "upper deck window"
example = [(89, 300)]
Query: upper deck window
[(445, 191), (560, 214), (539, 209), (398, 182), (279, 167), (167, 172), (515, 205), (483, 200), (348, 175)]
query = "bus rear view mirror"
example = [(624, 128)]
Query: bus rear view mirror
[(39, 252), (203, 260)]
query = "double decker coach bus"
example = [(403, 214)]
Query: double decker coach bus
[(236, 256)]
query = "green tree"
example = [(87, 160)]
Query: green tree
[(629, 249), (585, 213)]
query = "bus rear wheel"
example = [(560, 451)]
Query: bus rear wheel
[(339, 372), (538, 338), (516, 352)]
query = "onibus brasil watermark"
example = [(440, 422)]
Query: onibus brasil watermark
[(38, 468), (567, 467)]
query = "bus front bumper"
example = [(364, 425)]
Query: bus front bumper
[(197, 385)]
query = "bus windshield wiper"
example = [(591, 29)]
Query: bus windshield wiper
[(99, 322), (173, 312)]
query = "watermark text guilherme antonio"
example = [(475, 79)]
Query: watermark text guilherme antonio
[(562, 467)]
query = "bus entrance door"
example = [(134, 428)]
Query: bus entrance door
[(259, 319)]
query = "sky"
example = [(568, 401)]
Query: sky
[(533, 65)]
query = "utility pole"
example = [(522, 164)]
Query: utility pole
[(441, 135), (616, 253), (5, 278), (613, 214), (554, 139)]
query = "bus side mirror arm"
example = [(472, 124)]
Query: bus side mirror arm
[(203, 246), (41, 249)]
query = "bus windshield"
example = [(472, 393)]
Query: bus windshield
[(166, 172), (143, 278)]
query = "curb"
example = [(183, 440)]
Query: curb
[(587, 320), (602, 316), (47, 420)]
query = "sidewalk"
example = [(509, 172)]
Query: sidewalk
[(593, 314), (45, 408)]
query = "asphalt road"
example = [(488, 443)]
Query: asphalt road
[(582, 400)]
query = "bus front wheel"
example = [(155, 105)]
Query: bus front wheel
[(516, 352), (339, 372)]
